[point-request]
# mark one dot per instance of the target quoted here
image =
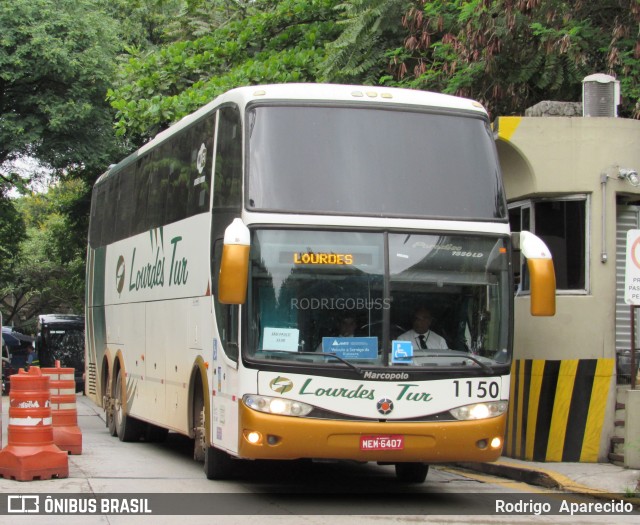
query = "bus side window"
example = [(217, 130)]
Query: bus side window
[(125, 205), (97, 214), (108, 218), (139, 222), (228, 174), (227, 315), (158, 189)]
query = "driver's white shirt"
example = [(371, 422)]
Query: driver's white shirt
[(433, 340)]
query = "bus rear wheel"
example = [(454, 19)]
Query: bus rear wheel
[(412, 472), (127, 427)]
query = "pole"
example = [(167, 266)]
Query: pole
[(632, 365)]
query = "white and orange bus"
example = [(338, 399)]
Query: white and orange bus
[(224, 254)]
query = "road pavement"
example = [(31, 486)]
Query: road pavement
[(281, 491)]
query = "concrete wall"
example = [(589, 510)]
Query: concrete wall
[(632, 430)]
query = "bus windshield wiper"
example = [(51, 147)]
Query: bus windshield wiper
[(336, 356), (482, 365)]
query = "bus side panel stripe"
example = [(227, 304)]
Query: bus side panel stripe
[(602, 381), (545, 409), (578, 409)]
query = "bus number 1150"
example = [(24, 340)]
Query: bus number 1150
[(480, 389)]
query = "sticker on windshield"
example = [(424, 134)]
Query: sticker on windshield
[(283, 339), (402, 351), (351, 347)]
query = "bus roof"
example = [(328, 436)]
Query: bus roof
[(61, 319), (312, 92)]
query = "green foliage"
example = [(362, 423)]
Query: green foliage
[(48, 271), (12, 230), (56, 60), (276, 41), (509, 54), (358, 54), (198, 18), (142, 23)]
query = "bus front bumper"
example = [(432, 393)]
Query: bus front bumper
[(267, 436)]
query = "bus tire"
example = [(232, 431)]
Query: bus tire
[(111, 420), (200, 433), (127, 427), (154, 433), (217, 463), (110, 411), (412, 472)]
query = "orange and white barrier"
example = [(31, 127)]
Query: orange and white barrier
[(31, 453), (62, 385)]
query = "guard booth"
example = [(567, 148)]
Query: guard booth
[(573, 181)]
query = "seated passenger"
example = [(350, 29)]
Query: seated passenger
[(346, 328), (421, 336)]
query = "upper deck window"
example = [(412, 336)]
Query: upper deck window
[(372, 161)]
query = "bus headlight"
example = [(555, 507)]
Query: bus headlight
[(276, 405), (480, 410)]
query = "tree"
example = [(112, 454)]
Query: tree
[(370, 28), (509, 54), (49, 265), (57, 59), (11, 233), (264, 41)]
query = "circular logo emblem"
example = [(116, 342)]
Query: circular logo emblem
[(282, 385), (120, 275), (385, 406), (202, 158), (633, 252)]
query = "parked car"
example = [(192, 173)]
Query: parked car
[(15, 350), (6, 362)]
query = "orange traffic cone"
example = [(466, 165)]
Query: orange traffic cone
[(30, 453), (62, 385)]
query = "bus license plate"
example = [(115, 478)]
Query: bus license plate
[(381, 442)]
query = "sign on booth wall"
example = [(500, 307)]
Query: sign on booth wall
[(632, 269)]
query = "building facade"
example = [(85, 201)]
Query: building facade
[(570, 180)]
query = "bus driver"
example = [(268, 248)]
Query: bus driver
[(420, 335)]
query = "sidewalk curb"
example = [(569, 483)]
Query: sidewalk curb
[(543, 478)]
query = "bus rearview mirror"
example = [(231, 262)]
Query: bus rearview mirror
[(541, 273), (234, 267)]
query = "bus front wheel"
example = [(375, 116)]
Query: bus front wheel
[(217, 463), (412, 472)]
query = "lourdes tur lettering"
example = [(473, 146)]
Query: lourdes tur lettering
[(405, 392), (152, 273)]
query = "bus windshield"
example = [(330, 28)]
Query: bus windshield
[(328, 298), (372, 162)]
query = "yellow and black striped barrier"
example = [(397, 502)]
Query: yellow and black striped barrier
[(557, 409)]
